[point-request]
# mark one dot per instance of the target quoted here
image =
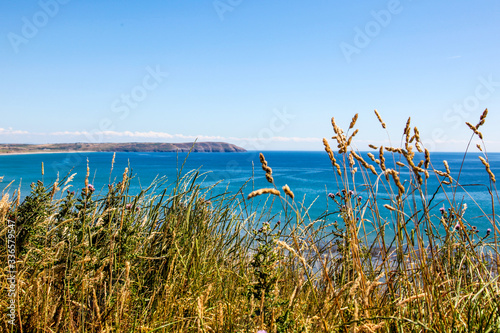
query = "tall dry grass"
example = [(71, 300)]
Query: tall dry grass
[(178, 258)]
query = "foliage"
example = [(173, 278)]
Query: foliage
[(180, 258)]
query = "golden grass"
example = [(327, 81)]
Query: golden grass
[(178, 258)]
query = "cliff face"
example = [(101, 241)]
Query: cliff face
[(206, 147)]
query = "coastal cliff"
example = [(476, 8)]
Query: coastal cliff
[(205, 147)]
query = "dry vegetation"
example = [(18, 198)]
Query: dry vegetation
[(177, 259)]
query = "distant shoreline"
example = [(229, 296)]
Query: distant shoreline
[(47, 152), (129, 147)]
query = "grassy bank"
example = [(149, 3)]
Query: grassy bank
[(176, 258)]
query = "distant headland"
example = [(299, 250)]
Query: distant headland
[(202, 147)]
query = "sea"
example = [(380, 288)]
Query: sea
[(309, 174)]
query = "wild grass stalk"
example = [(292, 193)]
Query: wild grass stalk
[(388, 257)]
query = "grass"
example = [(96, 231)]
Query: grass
[(177, 258)]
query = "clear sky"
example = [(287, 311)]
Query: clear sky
[(262, 74)]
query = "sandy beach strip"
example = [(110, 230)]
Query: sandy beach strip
[(49, 152)]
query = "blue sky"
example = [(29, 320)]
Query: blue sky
[(266, 75)]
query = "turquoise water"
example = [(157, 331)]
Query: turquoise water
[(309, 174)]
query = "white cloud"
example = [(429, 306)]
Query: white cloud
[(277, 139), (10, 131), (109, 135), (275, 142), (77, 133)]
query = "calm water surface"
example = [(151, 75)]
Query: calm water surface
[(309, 174)]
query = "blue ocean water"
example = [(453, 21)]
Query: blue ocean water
[(308, 174)]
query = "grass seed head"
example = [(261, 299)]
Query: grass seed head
[(418, 145), (364, 163), (269, 178), (113, 162), (351, 159), (328, 150), (262, 158), (447, 167), (4, 205), (382, 158), (416, 133), (336, 129), (389, 207), (54, 189), (350, 138), (397, 181), (482, 118), (264, 191), (474, 129), (407, 129), (18, 198), (332, 157), (380, 119), (427, 158), (288, 192), (124, 180), (488, 169), (353, 121), (266, 168)]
